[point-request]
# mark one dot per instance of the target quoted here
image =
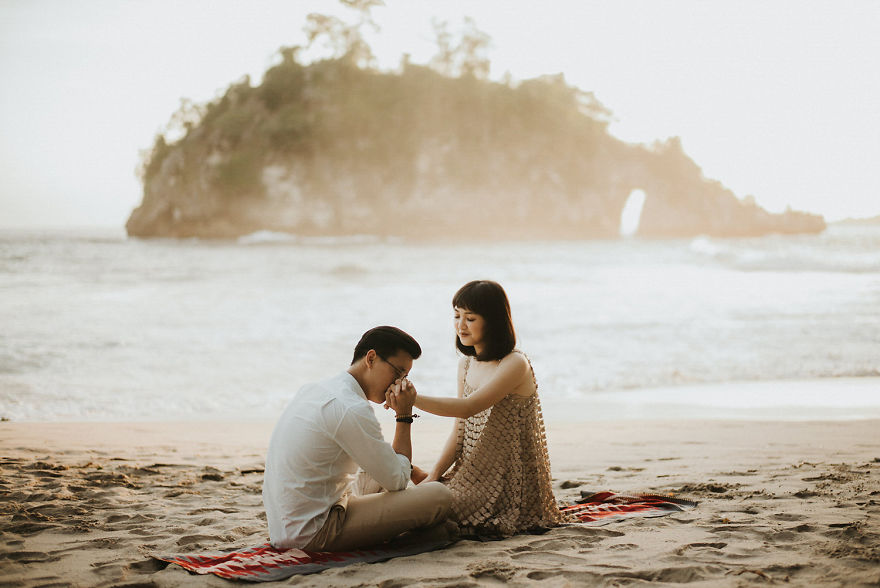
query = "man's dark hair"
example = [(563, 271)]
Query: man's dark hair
[(487, 299), (386, 341)]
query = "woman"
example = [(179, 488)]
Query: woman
[(500, 477)]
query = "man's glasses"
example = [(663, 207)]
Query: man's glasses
[(400, 373)]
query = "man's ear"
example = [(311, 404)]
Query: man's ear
[(370, 358)]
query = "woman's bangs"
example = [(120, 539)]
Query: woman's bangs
[(468, 299)]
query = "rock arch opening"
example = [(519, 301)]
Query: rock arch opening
[(632, 213)]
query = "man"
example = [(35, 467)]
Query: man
[(326, 432)]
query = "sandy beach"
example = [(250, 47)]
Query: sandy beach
[(794, 503)]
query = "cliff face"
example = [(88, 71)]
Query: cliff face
[(332, 149)]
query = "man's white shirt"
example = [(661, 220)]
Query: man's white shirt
[(323, 435)]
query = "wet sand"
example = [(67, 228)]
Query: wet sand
[(794, 503)]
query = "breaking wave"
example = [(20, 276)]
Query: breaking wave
[(847, 250)]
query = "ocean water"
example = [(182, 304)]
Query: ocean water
[(96, 326)]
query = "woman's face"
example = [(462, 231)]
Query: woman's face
[(469, 326)]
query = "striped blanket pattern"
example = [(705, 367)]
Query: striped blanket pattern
[(266, 564), (601, 508)]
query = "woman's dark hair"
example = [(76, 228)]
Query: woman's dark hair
[(386, 341), (487, 299)]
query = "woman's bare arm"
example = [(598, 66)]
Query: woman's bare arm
[(509, 375)]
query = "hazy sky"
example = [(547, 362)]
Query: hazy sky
[(774, 99)]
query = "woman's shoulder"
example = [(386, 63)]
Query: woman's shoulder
[(518, 368), (516, 360), (516, 356)]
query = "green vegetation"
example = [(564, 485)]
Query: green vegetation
[(366, 118)]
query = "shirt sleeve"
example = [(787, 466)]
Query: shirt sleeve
[(360, 436)]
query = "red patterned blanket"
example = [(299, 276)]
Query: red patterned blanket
[(603, 507), (266, 564)]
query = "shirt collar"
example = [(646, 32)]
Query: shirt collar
[(352, 384)]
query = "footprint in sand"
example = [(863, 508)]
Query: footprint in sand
[(25, 557), (247, 531), (554, 544), (101, 479), (592, 532), (751, 510), (498, 570), (107, 543), (111, 570), (785, 516), (782, 537), (43, 466), (204, 510), (683, 548), (622, 469), (198, 539), (680, 575), (546, 559), (575, 578), (622, 547), (141, 532), (147, 566), (30, 528), (739, 531), (138, 522)]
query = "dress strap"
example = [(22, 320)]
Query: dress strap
[(467, 365)]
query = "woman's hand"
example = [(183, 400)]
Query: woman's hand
[(389, 394), (434, 476), (418, 475)]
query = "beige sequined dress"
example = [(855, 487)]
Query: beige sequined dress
[(501, 478)]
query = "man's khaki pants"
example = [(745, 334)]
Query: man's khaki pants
[(358, 522)]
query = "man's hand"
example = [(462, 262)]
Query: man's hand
[(400, 397)]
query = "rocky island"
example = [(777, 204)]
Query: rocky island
[(333, 147)]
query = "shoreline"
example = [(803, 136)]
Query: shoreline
[(229, 439), (794, 400), (783, 501)]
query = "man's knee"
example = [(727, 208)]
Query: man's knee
[(438, 491), (437, 496)]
